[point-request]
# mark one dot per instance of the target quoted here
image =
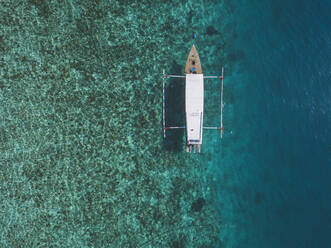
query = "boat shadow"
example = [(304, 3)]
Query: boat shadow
[(175, 109)]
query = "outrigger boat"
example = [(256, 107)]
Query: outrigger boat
[(194, 101)]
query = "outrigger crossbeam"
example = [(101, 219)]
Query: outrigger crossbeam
[(166, 128), (218, 128), (174, 76), (180, 76)]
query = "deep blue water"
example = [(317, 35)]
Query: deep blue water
[(274, 170)]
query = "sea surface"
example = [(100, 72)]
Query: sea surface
[(83, 161), (274, 177)]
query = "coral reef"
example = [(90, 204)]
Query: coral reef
[(82, 158)]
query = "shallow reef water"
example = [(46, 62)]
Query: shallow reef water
[(83, 162)]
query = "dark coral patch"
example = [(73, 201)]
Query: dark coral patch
[(43, 9), (198, 204), (210, 30), (180, 242)]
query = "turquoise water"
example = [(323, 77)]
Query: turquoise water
[(274, 175), (83, 161)]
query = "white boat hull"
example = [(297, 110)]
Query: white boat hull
[(194, 99)]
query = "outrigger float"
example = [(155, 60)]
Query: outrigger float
[(194, 101)]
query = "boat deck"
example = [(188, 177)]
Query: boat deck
[(193, 61), (194, 99)]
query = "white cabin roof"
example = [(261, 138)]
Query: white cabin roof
[(194, 92)]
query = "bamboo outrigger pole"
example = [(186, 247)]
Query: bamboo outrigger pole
[(163, 109), (221, 128)]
